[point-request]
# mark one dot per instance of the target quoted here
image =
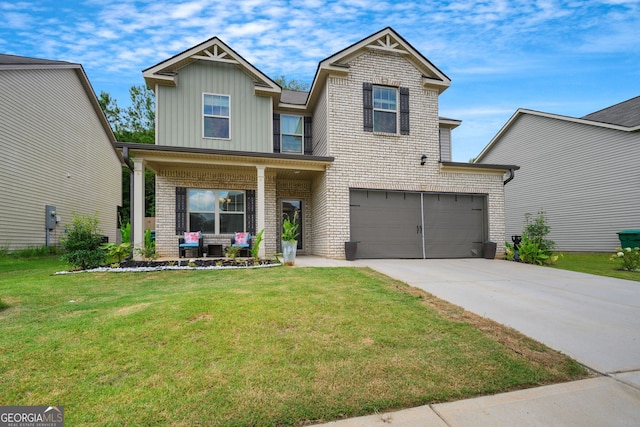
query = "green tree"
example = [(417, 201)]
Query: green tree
[(291, 84), (135, 123)]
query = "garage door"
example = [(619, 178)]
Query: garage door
[(390, 224), (454, 225)]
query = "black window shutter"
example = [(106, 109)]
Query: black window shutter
[(276, 132), (367, 106), (404, 111), (250, 218), (181, 210), (308, 141)]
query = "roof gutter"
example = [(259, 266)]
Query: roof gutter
[(512, 173)]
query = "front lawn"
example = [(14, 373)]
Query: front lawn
[(278, 346), (595, 263)]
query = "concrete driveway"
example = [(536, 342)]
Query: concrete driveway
[(594, 319)]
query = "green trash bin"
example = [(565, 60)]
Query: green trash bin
[(629, 238)]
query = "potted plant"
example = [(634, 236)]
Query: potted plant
[(289, 235)]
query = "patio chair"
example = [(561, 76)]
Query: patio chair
[(242, 241), (191, 240)]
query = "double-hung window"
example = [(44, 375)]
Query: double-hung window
[(385, 109), (216, 211), (291, 133), (216, 116)]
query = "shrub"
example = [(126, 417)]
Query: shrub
[(148, 251), (257, 239), (536, 230), (534, 248), (82, 243), (629, 257), (119, 251)]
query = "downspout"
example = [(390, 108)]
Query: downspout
[(129, 164), (511, 175)]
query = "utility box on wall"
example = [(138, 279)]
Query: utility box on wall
[(50, 217)]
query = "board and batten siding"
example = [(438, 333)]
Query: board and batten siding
[(55, 152), (585, 178), (180, 115)]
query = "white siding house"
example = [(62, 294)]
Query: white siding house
[(583, 172), (58, 150)]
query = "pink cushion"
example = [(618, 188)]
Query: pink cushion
[(192, 237), (242, 238)]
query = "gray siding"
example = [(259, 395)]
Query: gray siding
[(179, 111), (55, 152), (445, 144), (584, 177)]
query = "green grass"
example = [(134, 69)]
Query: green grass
[(595, 263), (278, 346)]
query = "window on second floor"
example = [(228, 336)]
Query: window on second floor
[(291, 133), (216, 116), (385, 108)]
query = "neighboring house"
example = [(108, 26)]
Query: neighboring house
[(583, 172), (362, 156), (58, 153)]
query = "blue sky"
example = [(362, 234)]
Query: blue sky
[(564, 57)]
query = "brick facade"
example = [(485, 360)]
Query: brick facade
[(366, 160)]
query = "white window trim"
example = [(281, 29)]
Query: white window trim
[(213, 115), (396, 111), (217, 212), (282, 134)]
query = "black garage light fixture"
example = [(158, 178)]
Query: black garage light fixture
[(423, 160)]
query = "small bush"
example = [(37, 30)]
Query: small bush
[(537, 230), (628, 257), (82, 243), (534, 248), (149, 250)]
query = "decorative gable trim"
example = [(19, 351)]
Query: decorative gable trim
[(213, 50), (389, 41)]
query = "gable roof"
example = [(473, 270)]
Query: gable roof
[(386, 40), (8, 62), (584, 121), (626, 113), (14, 62), (215, 50)]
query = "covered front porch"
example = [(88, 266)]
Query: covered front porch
[(221, 192)]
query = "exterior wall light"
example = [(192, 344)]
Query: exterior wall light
[(423, 160)]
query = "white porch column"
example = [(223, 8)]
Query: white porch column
[(260, 207), (137, 210)]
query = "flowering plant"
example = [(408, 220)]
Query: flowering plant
[(630, 258)]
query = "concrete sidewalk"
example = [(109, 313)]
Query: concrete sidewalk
[(595, 320)]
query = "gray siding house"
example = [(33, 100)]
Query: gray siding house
[(58, 152), (583, 172), (363, 156)]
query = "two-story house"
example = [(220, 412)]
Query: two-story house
[(59, 155), (581, 171), (363, 156)]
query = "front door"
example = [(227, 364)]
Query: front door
[(289, 209)]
